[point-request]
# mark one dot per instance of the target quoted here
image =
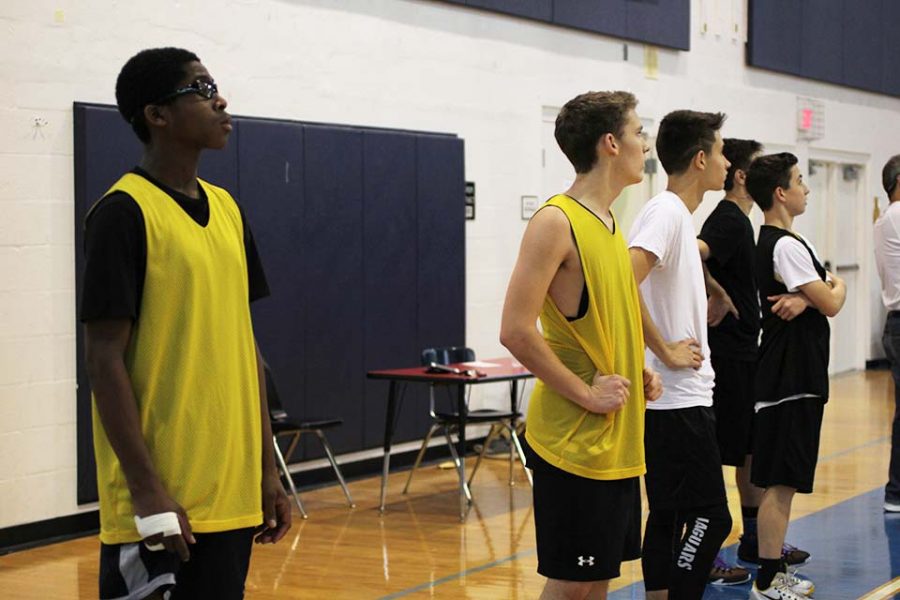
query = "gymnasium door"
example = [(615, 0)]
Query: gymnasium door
[(832, 222)]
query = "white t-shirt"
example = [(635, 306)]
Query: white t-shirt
[(675, 295), (887, 255), (792, 264)]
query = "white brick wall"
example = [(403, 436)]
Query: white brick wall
[(397, 63)]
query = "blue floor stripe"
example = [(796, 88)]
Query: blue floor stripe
[(847, 542), (855, 548)]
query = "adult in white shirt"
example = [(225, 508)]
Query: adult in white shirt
[(887, 260), (684, 481)]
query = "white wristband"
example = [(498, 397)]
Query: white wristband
[(165, 523)]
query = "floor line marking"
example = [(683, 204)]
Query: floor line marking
[(885, 591), (533, 551), (868, 444), (459, 575)]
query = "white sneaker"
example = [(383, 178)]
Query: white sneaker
[(780, 589), (800, 585)]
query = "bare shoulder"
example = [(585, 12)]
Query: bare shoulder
[(549, 227), (549, 216), (547, 242)]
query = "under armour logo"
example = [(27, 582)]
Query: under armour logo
[(585, 561)]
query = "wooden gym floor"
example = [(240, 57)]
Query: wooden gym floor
[(418, 549)]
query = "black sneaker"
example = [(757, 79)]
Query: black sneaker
[(794, 556), (748, 552)]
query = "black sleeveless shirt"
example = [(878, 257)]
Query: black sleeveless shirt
[(793, 355)]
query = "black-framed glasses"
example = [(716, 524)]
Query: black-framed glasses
[(202, 87)]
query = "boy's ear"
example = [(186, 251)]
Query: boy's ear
[(607, 145), (740, 176), (700, 160), (612, 141), (155, 115), (778, 194)]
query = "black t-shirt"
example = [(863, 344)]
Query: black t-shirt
[(729, 235), (115, 248)]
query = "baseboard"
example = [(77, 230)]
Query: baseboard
[(50, 531), (877, 364), (60, 529)]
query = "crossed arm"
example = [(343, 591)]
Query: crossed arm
[(826, 296), (787, 306)]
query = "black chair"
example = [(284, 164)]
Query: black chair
[(448, 420), (283, 426)]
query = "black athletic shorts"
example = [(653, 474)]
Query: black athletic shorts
[(786, 444), (216, 570), (585, 527), (683, 465), (733, 399)]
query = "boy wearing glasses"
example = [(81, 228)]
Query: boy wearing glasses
[(185, 463)]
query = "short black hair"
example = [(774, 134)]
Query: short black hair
[(739, 153), (889, 174), (585, 119), (148, 76), (767, 173), (684, 133)]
